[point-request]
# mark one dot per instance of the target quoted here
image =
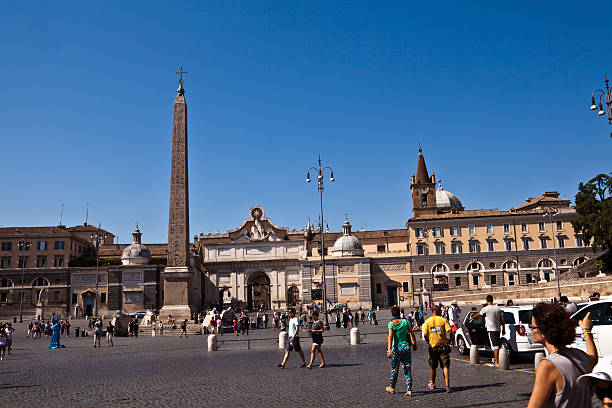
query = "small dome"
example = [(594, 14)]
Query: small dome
[(347, 245), (136, 253), (446, 199)]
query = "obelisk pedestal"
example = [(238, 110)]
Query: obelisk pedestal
[(178, 275)]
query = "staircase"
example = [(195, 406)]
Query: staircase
[(192, 329)]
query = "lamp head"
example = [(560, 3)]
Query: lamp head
[(593, 104), (308, 177), (601, 111), (332, 179)]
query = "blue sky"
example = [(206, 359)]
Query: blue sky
[(497, 94)]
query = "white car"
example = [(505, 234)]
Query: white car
[(518, 337), (601, 315)]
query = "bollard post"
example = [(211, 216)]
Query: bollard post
[(474, 355), (355, 338), (282, 339), (538, 357), (504, 359), (77, 332), (212, 342)]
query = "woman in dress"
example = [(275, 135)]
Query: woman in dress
[(400, 339), (555, 382)]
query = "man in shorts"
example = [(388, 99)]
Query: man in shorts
[(293, 341), (494, 322), (436, 331)]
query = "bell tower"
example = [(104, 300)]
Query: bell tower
[(423, 189)]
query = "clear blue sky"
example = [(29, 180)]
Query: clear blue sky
[(497, 93)]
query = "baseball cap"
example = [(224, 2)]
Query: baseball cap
[(602, 371)]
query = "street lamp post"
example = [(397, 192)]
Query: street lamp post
[(96, 237), (552, 212), (23, 246), (320, 171), (607, 98)]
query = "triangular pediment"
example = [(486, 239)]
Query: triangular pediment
[(257, 228)]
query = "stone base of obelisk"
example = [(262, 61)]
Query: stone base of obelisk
[(177, 293)]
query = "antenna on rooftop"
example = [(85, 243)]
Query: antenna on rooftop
[(87, 214), (61, 215)]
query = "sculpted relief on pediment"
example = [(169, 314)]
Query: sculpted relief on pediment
[(258, 228)]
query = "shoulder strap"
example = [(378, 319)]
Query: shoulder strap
[(567, 355)]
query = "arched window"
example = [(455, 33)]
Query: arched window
[(439, 268), (6, 283), (474, 267), (509, 265), (545, 263), (293, 296), (40, 282), (579, 261)]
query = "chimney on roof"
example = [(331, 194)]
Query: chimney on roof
[(529, 199), (552, 194)]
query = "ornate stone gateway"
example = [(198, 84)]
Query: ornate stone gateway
[(258, 290)]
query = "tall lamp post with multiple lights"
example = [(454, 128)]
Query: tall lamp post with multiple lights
[(96, 237), (551, 212), (320, 170), (23, 245), (607, 98)]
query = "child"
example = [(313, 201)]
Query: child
[(317, 339)]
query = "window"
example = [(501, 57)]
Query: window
[(457, 280), (419, 232), (506, 228), (543, 242), (381, 248), (542, 226), (529, 278), (439, 248), (493, 280), (545, 263), (59, 245), (41, 261), (5, 283), (23, 246), (75, 298), (476, 280), (23, 262), (56, 295), (42, 245), (490, 229), (103, 297), (474, 267), (421, 249), (511, 279), (508, 244), (561, 241), (437, 232), (5, 262), (423, 200), (579, 241), (472, 229), (454, 230), (379, 287), (40, 282), (524, 227), (559, 225), (474, 246), (405, 287), (3, 297), (58, 261), (456, 247), (490, 245), (526, 244), (6, 246)]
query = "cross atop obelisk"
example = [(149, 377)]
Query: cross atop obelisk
[(180, 89)]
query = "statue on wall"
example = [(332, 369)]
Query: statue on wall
[(257, 230)]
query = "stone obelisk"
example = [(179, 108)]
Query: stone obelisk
[(178, 274)]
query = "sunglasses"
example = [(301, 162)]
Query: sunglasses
[(531, 326), (602, 392)]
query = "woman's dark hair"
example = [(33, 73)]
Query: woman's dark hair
[(315, 314), (555, 324), (395, 312)]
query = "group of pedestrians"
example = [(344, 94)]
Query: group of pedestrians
[(6, 340), (38, 328), (293, 339)]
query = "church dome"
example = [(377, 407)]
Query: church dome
[(347, 245), (446, 199), (136, 253)]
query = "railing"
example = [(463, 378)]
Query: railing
[(274, 340)]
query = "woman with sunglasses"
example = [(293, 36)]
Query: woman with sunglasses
[(555, 383)]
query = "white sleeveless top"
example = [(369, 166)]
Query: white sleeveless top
[(572, 395)]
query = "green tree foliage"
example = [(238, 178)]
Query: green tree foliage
[(594, 209)]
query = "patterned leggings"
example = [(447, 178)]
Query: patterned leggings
[(401, 354)]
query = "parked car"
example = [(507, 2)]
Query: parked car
[(338, 307), (517, 340), (601, 315)]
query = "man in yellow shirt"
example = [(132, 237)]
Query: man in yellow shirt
[(436, 331)]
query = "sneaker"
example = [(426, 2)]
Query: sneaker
[(448, 389), (280, 365), (431, 386)]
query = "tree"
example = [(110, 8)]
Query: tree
[(594, 209)]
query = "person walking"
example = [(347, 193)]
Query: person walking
[(9, 338), (293, 341), (97, 332), (435, 331), (556, 376), (494, 322), (2, 342), (110, 332), (453, 319), (401, 338), (219, 328), (317, 339), (183, 328), (160, 328)]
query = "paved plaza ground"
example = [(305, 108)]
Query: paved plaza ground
[(170, 371)]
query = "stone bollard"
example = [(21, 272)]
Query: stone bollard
[(355, 338), (212, 342), (282, 339), (474, 355), (538, 357), (504, 359)]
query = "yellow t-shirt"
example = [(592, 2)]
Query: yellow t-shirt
[(436, 327)]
